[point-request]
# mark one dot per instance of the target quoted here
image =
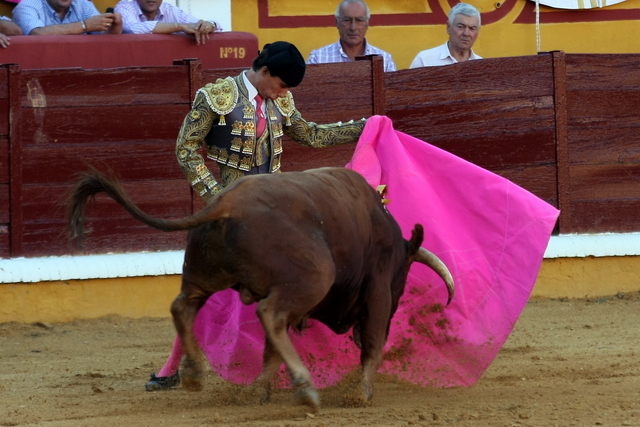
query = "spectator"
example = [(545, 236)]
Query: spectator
[(8, 28), (51, 17), (156, 17), (352, 20), (463, 27)]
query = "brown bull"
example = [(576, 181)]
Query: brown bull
[(317, 244)]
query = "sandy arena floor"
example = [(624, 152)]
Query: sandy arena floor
[(568, 363)]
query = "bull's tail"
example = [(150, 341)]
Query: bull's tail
[(92, 183)]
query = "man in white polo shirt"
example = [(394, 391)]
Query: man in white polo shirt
[(463, 28)]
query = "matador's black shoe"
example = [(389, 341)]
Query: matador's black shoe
[(163, 383)]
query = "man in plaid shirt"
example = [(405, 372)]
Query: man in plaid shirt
[(352, 20)]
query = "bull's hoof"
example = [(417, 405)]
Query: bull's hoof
[(191, 375), (358, 397), (192, 382), (265, 394), (355, 400), (308, 395), (367, 391)]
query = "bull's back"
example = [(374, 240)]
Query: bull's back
[(336, 203), (326, 189)]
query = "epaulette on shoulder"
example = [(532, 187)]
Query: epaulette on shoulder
[(286, 106), (222, 96)]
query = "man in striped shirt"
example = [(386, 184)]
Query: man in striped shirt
[(352, 20), (53, 17), (156, 17)]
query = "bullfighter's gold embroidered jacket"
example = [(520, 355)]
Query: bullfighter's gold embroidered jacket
[(224, 119)]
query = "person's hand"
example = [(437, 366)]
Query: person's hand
[(202, 29), (117, 18), (4, 41), (116, 25), (102, 22)]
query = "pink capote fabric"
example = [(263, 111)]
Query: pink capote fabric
[(491, 234)]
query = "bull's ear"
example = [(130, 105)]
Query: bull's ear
[(417, 236)]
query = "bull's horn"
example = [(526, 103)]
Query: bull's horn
[(430, 260)]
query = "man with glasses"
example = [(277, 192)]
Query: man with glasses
[(352, 20)]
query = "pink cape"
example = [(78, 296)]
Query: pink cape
[(491, 234)]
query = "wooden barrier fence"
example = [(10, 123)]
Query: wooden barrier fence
[(563, 126)]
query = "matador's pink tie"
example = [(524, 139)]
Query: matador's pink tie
[(262, 120)]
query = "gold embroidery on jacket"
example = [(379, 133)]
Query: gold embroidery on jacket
[(229, 175), (286, 107), (250, 128), (275, 164), (213, 153), (277, 130), (248, 112), (245, 164), (234, 159), (277, 146), (237, 128), (194, 127), (221, 96), (248, 145), (236, 144), (223, 156)]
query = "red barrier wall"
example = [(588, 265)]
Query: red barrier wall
[(227, 49), (565, 127)]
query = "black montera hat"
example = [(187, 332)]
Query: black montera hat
[(284, 60)]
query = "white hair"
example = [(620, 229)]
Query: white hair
[(346, 2), (464, 9)]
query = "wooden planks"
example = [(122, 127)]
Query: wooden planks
[(603, 99), (109, 227), (496, 113), (5, 166), (120, 120), (563, 126)]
